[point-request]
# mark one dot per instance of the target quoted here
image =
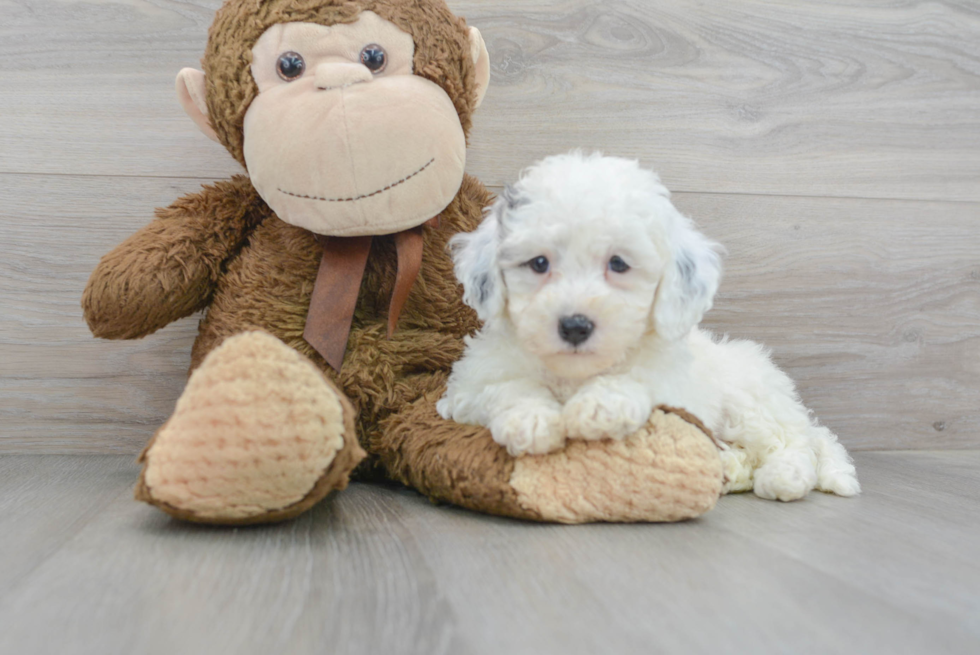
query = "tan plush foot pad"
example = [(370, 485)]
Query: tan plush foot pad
[(258, 435), (668, 471)]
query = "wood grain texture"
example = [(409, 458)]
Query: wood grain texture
[(45, 502), (61, 390), (873, 307), (754, 96), (792, 97), (380, 570)]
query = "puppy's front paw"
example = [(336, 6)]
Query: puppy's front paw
[(529, 429), (603, 414)]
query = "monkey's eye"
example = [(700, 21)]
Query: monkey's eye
[(290, 66), (374, 58), (617, 265), (538, 264)]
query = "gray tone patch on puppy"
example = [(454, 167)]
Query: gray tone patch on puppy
[(686, 267), (484, 287), (513, 198), (693, 286), (509, 200)]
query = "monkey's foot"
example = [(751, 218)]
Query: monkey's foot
[(259, 435)]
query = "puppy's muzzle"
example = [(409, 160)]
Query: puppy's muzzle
[(575, 329)]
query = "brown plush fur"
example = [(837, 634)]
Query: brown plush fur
[(262, 278), (268, 286), (224, 249), (667, 472)]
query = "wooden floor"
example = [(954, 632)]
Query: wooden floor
[(832, 146), (83, 569)]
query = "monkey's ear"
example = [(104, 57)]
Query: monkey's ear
[(191, 94), (481, 58)]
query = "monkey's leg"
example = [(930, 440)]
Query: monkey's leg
[(669, 470), (259, 435)]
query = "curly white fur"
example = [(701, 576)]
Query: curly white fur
[(634, 271)]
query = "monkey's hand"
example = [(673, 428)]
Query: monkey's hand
[(168, 269)]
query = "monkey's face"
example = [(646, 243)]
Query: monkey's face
[(343, 139)]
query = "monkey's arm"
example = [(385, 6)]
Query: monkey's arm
[(169, 268)]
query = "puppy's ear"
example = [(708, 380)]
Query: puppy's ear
[(475, 260), (690, 281)]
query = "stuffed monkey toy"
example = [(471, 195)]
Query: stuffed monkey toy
[(332, 313)]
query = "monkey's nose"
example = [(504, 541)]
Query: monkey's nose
[(575, 329), (338, 76)]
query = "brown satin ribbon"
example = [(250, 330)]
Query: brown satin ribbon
[(338, 282)]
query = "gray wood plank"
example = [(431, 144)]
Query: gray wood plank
[(754, 96), (60, 389), (89, 88), (44, 502), (344, 577), (798, 97), (379, 569), (916, 548), (871, 305), (698, 587)]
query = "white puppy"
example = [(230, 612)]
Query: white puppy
[(591, 285)]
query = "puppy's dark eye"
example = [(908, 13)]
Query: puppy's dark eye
[(539, 264), (617, 265), (290, 66), (374, 58)]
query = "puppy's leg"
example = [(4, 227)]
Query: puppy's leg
[(787, 474), (835, 470), (762, 414), (738, 470), (497, 386), (522, 415), (612, 406), (794, 455), (772, 428), (525, 418)]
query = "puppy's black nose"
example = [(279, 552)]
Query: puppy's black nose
[(575, 329)]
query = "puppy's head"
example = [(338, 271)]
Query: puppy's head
[(584, 256)]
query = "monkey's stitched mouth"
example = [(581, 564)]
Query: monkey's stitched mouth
[(366, 195)]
